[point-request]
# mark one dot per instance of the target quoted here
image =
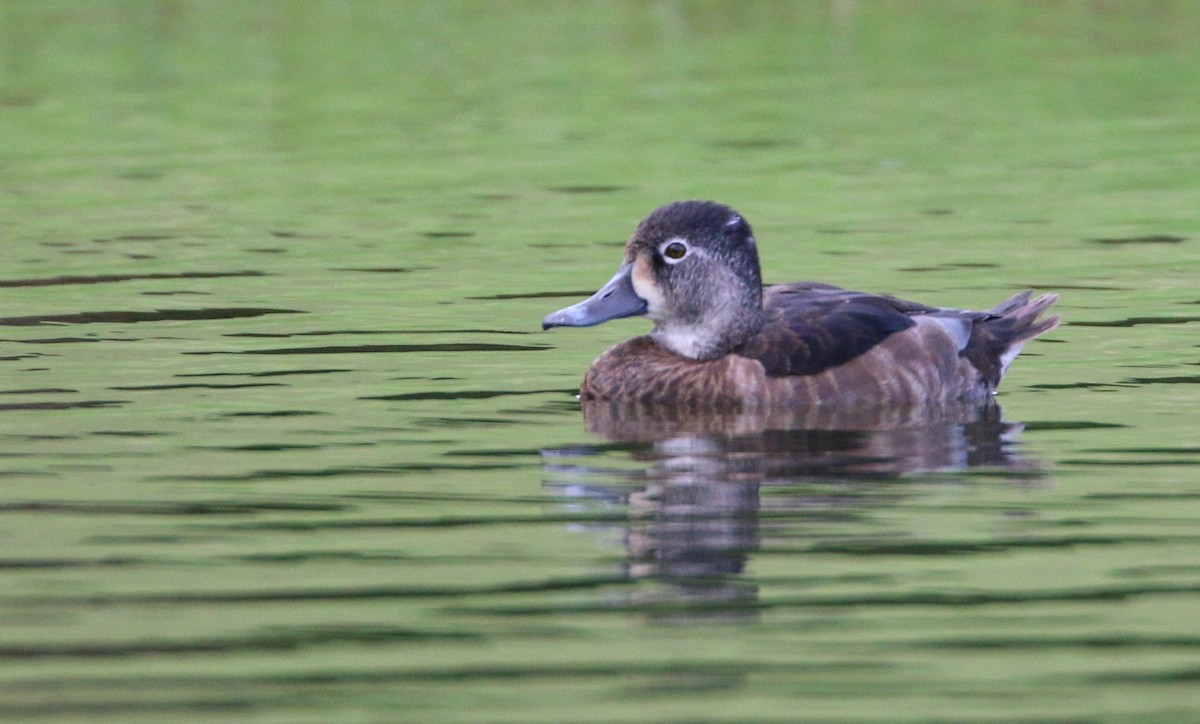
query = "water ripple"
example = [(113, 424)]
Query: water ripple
[(129, 317)]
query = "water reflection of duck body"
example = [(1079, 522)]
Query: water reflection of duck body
[(820, 441), (695, 507)]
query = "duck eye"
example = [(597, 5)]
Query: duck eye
[(675, 250)]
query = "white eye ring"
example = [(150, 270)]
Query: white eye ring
[(674, 250)]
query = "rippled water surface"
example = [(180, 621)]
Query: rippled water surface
[(281, 440)]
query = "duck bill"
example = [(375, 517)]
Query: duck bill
[(614, 300)]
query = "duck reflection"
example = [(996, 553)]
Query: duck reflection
[(695, 505)]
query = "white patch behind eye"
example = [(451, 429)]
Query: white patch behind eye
[(662, 249)]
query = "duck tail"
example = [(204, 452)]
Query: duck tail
[(1021, 315), (1004, 329)]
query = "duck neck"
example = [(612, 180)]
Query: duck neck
[(725, 325)]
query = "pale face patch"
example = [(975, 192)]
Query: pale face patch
[(645, 286)]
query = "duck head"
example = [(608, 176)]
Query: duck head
[(692, 268)]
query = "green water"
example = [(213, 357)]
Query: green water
[(280, 439)]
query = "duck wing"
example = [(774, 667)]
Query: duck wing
[(812, 327)]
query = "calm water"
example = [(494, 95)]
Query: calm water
[(280, 439)]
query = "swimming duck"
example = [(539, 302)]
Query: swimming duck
[(722, 340)]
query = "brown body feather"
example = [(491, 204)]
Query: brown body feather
[(824, 345)]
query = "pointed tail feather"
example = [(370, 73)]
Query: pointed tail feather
[(999, 337), (1024, 316)]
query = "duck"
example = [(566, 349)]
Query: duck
[(723, 341)]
